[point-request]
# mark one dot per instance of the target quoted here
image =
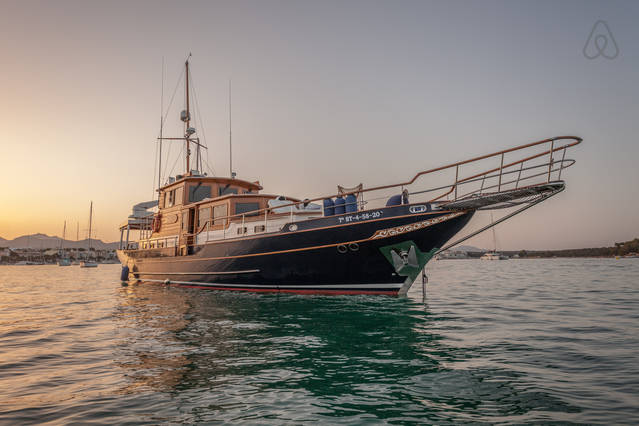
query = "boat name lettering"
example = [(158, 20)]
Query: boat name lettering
[(391, 232), (360, 216)]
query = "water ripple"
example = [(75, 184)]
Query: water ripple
[(529, 341)]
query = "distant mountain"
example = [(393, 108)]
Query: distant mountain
[(42, 241)]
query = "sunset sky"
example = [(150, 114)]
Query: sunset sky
[(324, 93)]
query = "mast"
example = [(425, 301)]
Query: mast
[(90, 220), (494, 234), (64, 233), (187, 119), (230, 136)]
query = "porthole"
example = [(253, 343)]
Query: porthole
[(342, 248)]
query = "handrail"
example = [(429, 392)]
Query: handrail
[(575, 141), (496, 172)]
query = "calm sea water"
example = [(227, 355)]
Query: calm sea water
[(493, 342)]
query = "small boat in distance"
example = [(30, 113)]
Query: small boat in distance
[(63, 259), (88, 263), (223, 233), (493, 255)]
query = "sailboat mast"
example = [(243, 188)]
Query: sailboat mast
[(90, 220), (494, 234), (64, 233), (187, 118)]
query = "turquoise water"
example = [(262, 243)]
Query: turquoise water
[(494, 342)]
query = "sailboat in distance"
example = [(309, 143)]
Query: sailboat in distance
[(88, 263), (493, 255), (63, 259)]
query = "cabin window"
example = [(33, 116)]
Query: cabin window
[(247, 207), (219, 214), (259, 228), (179, 192), (224, 190), (169, 198), (185, 221), (241, 230), (199, 192), (203, 216)]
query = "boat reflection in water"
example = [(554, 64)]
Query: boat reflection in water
[(178, 339), (227, 356)]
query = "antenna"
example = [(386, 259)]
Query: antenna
[(187, 118), (230, 135)]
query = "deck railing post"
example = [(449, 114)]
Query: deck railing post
[(552, 146), (242, 224), (519, 175), (456, 179), (561, 166), (208, 229), (265, 219), (501, 168)]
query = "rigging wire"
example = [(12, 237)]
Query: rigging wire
[(168, 109), (155, 168), (176, 160), (168, 155), (201, 124)]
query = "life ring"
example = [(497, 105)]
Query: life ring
[(157, 223)]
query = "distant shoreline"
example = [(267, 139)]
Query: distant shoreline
[(629, 249)]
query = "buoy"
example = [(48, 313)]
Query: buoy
[(339, 205), (329, 207), (424, 282), (124, 275), (351, 203)]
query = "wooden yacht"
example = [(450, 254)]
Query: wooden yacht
[(225, 233)]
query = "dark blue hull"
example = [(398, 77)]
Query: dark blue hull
[(375, 252)]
